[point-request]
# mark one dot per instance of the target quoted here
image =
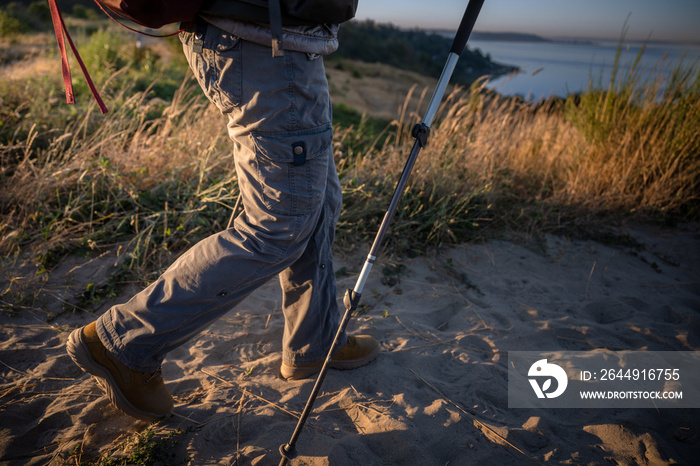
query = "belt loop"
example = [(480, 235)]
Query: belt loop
[(275, 11), (200, 32)]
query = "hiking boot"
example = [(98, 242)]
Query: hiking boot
[(139, 394), (356, 352)]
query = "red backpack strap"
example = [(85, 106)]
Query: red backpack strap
[(60, 29)]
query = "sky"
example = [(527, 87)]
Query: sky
[(659, 20)]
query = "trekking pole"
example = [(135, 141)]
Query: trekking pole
[(420, 132)]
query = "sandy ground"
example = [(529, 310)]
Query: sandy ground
[(436, 395)]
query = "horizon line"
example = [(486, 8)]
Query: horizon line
[(649, 39)]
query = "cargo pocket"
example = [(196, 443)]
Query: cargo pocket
[(229, 72), (217, 67), (292, 169)]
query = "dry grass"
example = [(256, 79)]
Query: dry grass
[(632, 151), (158, 175), (144, 173)]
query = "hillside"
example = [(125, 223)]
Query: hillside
[(412, 50), (376, 89)]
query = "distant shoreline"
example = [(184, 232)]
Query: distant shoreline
[(526, 37), (511, 37)]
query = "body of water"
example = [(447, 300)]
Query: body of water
[(560, 68)]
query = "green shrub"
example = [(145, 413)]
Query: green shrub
[(10, 24), (40, 11), (83, 12)]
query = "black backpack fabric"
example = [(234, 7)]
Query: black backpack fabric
[(293, 12)]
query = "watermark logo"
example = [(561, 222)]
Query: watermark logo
[(604, 379), (542, 370)]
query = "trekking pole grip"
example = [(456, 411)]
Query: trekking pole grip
[(466, 26)]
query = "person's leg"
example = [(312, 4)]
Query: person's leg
[(310, 306), (279, 120), (309, 288)]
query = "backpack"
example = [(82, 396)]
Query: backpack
[(157, 13), (276, 13), (152, 13), (293, 12)]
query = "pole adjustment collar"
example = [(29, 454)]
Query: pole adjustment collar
[(421, 131), (351, 299)]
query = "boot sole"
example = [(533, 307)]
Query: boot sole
[(80, 354)]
